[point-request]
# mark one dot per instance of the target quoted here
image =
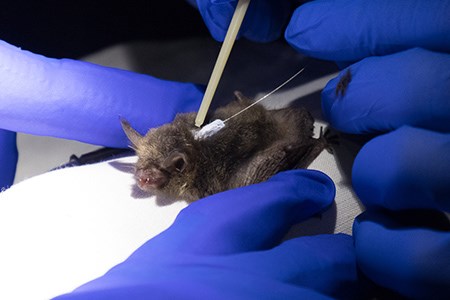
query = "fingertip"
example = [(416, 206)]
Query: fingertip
[(349, 30), (332, 95), (315, 185), (409, 258), (297, 31), (407, 168), (264, 212), (217, 16), (292, 195), (328, 258), (263, 22), (324, 30), (346, 104), (384, 93)]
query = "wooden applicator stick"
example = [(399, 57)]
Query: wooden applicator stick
[(222, 59)]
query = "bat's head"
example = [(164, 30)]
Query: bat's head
[(164, 158)]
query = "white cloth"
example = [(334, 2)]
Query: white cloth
[(63, 228)]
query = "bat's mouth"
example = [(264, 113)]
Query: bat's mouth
[(150, 179)]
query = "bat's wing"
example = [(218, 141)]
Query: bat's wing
[(277, 158)]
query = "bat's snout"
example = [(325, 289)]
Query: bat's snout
[(150, 179)]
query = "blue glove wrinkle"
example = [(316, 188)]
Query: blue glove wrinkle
[(271, 207), (407, 168), (411, 260), (82, 101), (8, 158), (406, 88), (324, 263), (350, 30)]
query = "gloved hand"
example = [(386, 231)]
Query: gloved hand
[(79, 101), (227, 246), (349, 30), (398, 88), (265, 20), (8, 158), (82, 101)]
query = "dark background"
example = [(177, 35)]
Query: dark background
[(72, 29)]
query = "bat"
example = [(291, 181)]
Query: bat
[(251, 148)]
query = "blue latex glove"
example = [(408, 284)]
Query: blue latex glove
[(350, 30), (8, 158), (405, 90), (264, 22), (405, 169), (405, 253), (82, 101), (79, 101), (227, 246)]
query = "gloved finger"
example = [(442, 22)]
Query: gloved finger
[(324, 263), (405, 256), (407, 168), (8, 158), (349, 30), (264, 21), (190, 280), (255, 217), (82, 101), (191, 288), (383, 93)]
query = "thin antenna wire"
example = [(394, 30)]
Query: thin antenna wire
[(264, 97)]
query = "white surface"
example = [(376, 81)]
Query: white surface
[(39, 154), (66, 227)]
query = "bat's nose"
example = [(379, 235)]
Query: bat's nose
[(148, 179)]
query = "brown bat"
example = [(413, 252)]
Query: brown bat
[(251, 148)]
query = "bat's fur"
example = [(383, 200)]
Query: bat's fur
[(251, 148)]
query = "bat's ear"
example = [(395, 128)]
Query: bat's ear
[(241, 98), (132, 134), (175, 162)]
